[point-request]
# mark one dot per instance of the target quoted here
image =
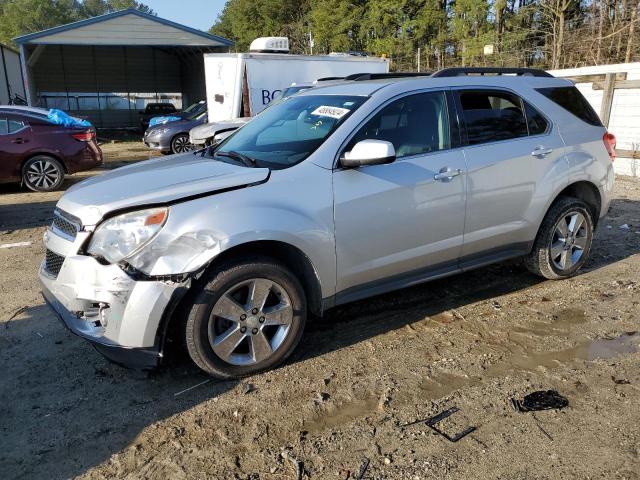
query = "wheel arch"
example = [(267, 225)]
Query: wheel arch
[(43, 154), (288, 255), (588, 193)]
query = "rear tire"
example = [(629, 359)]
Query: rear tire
[(42, 173), (246, 319), (180, 143), (564, 240)]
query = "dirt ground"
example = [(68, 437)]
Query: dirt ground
[(362, 373)]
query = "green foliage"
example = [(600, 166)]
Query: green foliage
[(20, 17), (444, 32)]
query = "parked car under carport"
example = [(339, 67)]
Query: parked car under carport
[(173, 137)]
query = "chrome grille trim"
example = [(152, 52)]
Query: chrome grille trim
[(53, 263), (65, 225)]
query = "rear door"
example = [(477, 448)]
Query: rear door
[(396, 223), (515, 157), (14, 139)]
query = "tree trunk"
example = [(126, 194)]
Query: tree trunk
[(632, 24), (600, 28)]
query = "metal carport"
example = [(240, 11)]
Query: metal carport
[(106, 68)]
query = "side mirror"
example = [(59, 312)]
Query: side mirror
[(369, 152)]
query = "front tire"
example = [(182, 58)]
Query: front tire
[(564, 240), (247, 318), (42, 174), (180, 144)]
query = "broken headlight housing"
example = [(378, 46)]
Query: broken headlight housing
[(124, 235)]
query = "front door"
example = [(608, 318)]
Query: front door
[(395, 222)]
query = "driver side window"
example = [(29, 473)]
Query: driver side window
[(415, 125)]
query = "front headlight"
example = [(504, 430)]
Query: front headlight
[(121, 236)]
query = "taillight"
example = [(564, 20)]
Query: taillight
[(609, 140), (84, 136)]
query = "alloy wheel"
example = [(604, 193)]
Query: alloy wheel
[(250, 321), (181, 144), (43, 174), (570, 240)]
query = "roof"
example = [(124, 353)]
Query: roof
[(11, 49), (368, 87), (124, 27), (23, 109)]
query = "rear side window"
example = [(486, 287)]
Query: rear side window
[(4, 127), (536, 123), (491, 116), (15, 125), (572, 100)]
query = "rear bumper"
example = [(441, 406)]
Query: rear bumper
[(141, 358)]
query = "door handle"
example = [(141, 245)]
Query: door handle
[(19, 140), (541, 151), (445, 174)]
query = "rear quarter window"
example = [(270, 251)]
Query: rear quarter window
[(571, 100)]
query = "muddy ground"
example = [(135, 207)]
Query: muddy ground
[(362, 373)]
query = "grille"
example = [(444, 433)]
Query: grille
[(64, 225), (53, 262)]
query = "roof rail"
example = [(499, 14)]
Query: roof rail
[(462, 71), (329, 79), (378, 76)]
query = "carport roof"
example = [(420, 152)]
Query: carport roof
[(124, 27)]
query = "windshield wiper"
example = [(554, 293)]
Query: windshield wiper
[(245, 159)]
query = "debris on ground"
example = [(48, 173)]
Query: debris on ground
[(190, 388), (624, 226), (432, 423), (297, 464), (247, 388), (620, 381), (15, 314), (540, 400), (363, 468), (14, 245)]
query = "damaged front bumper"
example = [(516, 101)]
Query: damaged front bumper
[(125, 319)]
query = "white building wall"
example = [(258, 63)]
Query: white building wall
[(624, 121)]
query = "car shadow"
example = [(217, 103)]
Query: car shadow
[(75, 410)]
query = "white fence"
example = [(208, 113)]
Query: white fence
[(614, 92)]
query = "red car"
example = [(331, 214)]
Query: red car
[(38, 153)]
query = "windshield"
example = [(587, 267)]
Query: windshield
[(287, 133), (191, 107)]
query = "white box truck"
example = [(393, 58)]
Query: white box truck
[(242, 84)]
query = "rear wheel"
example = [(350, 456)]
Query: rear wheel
[(564, 240), (42, 174), (180, 143), (248, 318)]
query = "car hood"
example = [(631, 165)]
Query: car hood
[(154, 181), (208, 130)]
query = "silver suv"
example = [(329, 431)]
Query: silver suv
[(336, 194)]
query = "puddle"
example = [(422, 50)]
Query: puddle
[(342, 414), (612, 347), (445, 384)]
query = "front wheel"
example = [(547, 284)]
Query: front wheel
[(564, 240), (248, 318), (42, 174), (180, 144)]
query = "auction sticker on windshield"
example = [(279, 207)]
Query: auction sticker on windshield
[(333, 112)]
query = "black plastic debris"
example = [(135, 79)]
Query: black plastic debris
[(432, 423), (363, 468), (540, 400)]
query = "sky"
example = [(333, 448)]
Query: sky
[(200, 14)]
